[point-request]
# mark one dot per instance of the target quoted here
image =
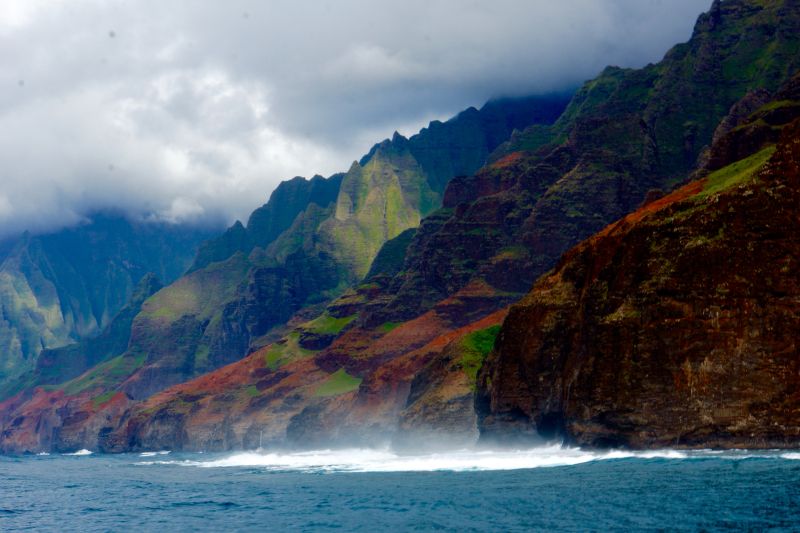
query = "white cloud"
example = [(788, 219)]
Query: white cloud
[(175, 109)]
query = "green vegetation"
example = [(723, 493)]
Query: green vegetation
[(476, 346), (274, 358), (386, 327), (340, 382), (531, 139), (97, 401), (777, 104), (511, 253), (202, 293), (325, 324), (389, 260), (106, 375), (285, 351), (377, 202), (735, 173)]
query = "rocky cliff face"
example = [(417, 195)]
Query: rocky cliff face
[(312, 240), (287, 201), (676, 326), (384, 341), (457, 147), (394, 357), (410, 384), (624, 134)]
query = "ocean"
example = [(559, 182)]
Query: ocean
[(549, 488)]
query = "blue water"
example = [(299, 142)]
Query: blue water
[(372, 491)]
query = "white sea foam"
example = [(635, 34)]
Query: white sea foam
[(153, 454), (79, 452), (42, 454), (372, 460), (368, 460)]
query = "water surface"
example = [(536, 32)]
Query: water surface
[(367, 490)]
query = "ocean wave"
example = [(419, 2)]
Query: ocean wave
[(372, 460), (153, 454), (369, 460), (80, 452)]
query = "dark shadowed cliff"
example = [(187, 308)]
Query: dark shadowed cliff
[(676, 326)]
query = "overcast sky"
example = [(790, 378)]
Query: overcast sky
[(187, 109)]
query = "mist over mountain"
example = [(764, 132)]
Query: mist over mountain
[(178, 111)]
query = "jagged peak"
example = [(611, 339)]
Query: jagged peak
[(469, 112), (720, 10), (397, 138)]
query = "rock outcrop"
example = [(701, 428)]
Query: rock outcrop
[(676, 326)]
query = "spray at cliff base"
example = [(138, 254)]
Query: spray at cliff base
[(366, 460)]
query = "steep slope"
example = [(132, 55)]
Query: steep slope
[(57, 288), (676, 326), (624, 134), (57, 365), (308, 244), (396, 356), (313, 239), (498, 230), (457, 147), (293, 393), (266, 223)]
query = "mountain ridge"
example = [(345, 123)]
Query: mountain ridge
[(392, 352)]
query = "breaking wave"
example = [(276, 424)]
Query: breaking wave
[(153, 454), (79, 452), (367, 460)]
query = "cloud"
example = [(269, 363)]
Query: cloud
[(182, 110)]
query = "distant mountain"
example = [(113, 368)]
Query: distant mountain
[(56, 365), (457, 147), (58, 288), (311, 241)]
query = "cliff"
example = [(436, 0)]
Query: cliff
[(335, 358), (676, 326)]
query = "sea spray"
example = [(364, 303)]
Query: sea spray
[(371, 460)]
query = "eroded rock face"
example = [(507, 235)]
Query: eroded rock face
[(387, 358), (624, 133), (677, 326)]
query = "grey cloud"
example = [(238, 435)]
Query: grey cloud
[(181, 110)]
